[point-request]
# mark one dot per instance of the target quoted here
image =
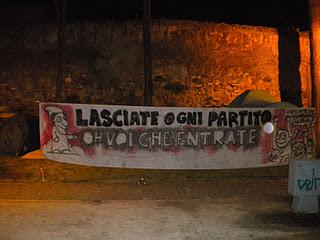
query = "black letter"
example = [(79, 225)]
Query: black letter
[(192, 118), (169, 118), (134, 119), (213, 116), (144, 117), (222, 119), (94, 118), (154, 118), (81, 122), (266, 116), (181, 118), (105, 115), (233, 118), (115, 120), (256, 117), (242, 114)]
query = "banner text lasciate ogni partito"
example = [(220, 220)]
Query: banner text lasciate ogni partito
[(175, 138)]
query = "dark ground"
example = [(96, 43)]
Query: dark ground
[(254, 203), (68, 181)]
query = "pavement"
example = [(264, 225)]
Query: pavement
[(43, 199)]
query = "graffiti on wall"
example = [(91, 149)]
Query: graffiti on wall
[(304, 178), (155, 137), (294, 136), (59, 142)]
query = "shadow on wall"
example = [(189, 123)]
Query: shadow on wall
[(289, 63)]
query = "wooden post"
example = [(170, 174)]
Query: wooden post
[(61, 10), (314, 11), (147, 53)]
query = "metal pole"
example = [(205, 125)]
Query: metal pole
[(147, 54), (61, 10), (314, 10)]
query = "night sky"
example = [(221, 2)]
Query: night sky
[(271, 13)]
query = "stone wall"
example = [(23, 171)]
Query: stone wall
[(194, 64), (305, 70)]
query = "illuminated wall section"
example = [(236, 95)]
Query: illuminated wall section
[(194, 64)]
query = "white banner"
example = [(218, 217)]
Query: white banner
[(175, 138)]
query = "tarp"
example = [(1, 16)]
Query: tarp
[(253, 98), (13, 135), (36, 154)]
